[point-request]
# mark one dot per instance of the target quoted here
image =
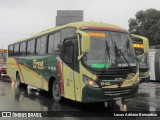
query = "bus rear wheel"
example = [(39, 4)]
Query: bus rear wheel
[(56, 91), (17, 81)]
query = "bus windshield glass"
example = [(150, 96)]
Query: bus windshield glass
[(109, 49)]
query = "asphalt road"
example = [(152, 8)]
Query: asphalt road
[(23, 99)]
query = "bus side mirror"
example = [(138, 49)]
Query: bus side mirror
[(84, 42), (140, 45)]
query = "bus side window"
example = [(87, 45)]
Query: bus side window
[(16, 49), (41, 45), (28, 47), (57, 42), (10, 52), (68, 52), (32, 49), (23, 48), (54, 43), (50, 44), (67, 32), (38, 45)]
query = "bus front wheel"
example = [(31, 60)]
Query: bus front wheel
[(17, 81), (56, 91)]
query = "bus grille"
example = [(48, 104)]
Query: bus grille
[(116, 92)]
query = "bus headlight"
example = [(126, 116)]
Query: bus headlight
[(90, 82), (136, 81)]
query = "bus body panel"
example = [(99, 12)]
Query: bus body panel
[(78, 89), (32, 70), (69, 82)]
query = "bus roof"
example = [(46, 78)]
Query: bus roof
[(78, 25)]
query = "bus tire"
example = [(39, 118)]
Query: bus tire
[(56, 91), (157, 66), (17, 81)]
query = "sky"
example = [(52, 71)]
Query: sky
[(21, 18)]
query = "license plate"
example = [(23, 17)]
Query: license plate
[(117, 98)]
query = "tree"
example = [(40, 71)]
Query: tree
[(146, 23)]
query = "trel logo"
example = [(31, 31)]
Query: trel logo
[(38, 64)]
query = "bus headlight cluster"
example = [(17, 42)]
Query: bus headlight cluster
[(89, 81)]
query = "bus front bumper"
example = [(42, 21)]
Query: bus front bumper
[(90, 94)]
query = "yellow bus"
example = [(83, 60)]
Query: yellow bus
[(3, 57), (83, 61), (144, 74)]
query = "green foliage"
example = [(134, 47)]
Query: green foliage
[(146, 23)]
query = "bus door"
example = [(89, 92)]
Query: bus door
[(68, 57)]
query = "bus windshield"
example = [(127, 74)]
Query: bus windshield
[(109, 49)]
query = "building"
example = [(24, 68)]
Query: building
[(67, 16)]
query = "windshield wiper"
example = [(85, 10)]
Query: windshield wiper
[(107, 48), (121, 54), (107, 53)]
